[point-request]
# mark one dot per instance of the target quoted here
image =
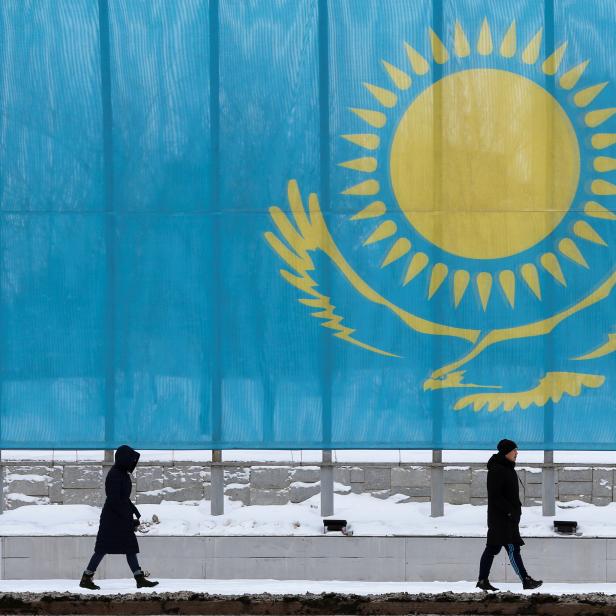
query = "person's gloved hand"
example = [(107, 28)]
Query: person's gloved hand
[(136, 523)]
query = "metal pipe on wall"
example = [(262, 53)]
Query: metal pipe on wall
[(437, 485), (327, 484), (548, 484), (217, 484)]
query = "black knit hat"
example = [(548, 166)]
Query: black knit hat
[(505, 446)]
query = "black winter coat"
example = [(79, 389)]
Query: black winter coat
[(116, 532), (504, 506)]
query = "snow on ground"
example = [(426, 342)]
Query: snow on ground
[(294, 587), (298, 456), (366, 514)]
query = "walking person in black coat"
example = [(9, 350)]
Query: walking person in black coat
[(116, 532), (504, 513)]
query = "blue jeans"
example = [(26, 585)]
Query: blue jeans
[(487, 558), (95, 561)]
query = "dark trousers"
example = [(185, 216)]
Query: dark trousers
[(95, 561), (487, 558)]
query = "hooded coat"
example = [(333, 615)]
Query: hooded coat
[(504, 505), (116, 532)]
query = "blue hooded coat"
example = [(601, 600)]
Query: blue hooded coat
[(116, 532)]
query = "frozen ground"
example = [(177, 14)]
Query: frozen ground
[(366, 514), (295, 587)]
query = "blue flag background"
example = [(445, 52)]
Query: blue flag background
[(168, 280)]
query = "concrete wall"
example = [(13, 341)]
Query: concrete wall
[(82, 483), (558, 559)]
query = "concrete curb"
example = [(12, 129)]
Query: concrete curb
[(327, 557)]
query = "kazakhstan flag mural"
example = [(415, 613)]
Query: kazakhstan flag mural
[(308, 223)]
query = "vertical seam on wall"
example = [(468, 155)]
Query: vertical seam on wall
[(604, 553), (214, 205), (108, 187), (437, 73), (3, 105), (324, 168), (548, 17)]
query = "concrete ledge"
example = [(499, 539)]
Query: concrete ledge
[(377, 559)]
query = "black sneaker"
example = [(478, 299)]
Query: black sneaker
[(528, 583), (86, 582), (485, 585)]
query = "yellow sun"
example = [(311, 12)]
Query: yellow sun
[(490, 173), (480, 152)]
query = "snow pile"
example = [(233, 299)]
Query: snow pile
[(366, 514)]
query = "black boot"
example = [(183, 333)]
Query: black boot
[(485, 585), (528, 583), (142, 582), (86, 582)]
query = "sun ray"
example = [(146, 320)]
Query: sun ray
[(507, 282), (460, 43), (418, 62), (484, 286), (582, 229), (382, 232), (399, 249), (386, 97), (368, 141), (509, 44), (374, 118), (367, 164), (437, 277), (601, 187), (550, 65), (417, 265), (369, 187), (439, 51), (584, 97), (401, 80), (484, 42), (531, 53), (569, 248), (531, 278), (603, 164), (460, 282), (596, 210), (600, 141), (595, 118), (550, 263), (572, 76), (374, 210)]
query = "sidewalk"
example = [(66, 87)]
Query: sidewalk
[(295, 587)]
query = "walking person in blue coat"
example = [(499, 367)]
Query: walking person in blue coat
[(116, 532), (504, 513)]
